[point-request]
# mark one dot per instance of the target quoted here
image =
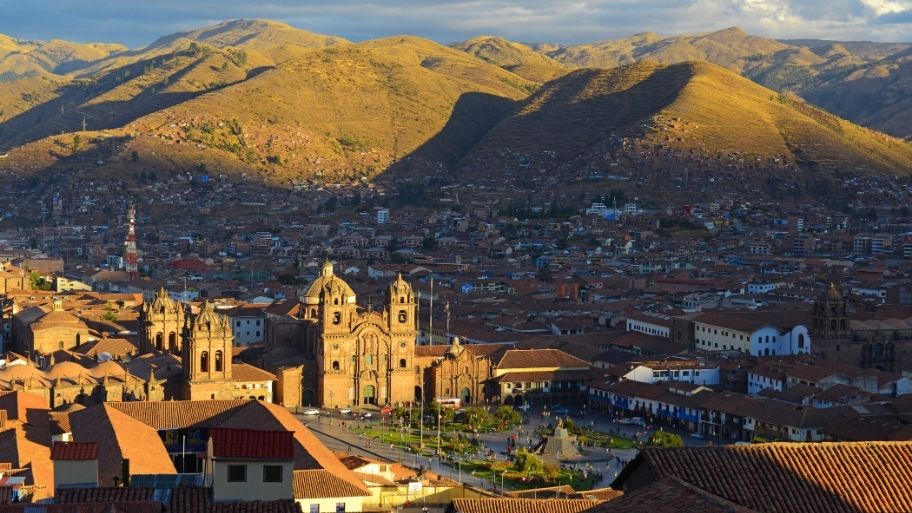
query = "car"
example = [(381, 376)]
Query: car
[(699, 436), (367, 415), (638, 421), (560, 410), (345, 411), (311, 411), (386, 410)]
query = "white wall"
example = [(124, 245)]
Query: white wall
[(254, 488), (758, 382), (696, 375), (355, 504), (648, 328)]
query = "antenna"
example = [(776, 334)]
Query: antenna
[(447, 310), (431, 318), (83, 123), (130, 244)]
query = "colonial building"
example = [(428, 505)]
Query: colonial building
[(362, 357), (207, 356), (874, 337)]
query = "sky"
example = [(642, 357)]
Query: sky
[(136, 23)]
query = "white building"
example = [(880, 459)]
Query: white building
[(686, 371), (754, 334), (649, 323), (383, 216)]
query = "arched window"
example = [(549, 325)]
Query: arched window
[(336, 301), (801, 341), (313, 312), (335, 365), (402, 316), (172, 340), (833, 325), (402, 363), (218, 361), (204, 361), (158, 341), (842, 325), (337, 318), (369, 359), (401, 299)]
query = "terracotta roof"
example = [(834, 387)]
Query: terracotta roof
[(320, 484), (179, 414), (251, 444), (550, 492), (74, 451), (831, 477), (523, 505), (182, 500), (104, 494), (118, 507), (669, 495), (532, 358), (120, 437), (243, 372)]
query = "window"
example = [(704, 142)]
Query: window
[(337, 318), (402, 316), (314, 508), (272, 473), (340, 507), (258, 322), (218, 361), (402, 363), (335, 365), (237, 473), (369, 359), (204, 361)]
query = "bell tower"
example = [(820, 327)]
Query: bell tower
[(830, 315), (336, 304), (400, 304), (208, 341), (162, 321)]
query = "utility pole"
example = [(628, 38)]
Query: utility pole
[(431, 318), (447, 310), (83, 123)]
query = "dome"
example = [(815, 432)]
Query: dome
[(108, 368), (327, 284), (400, 286), (65, 370), (162, 302), (833, 293), (208, 318)]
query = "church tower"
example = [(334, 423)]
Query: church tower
[(162, 321), (402, 319), (830, 315), (208, 341)]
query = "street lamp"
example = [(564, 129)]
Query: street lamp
[(331, 395)]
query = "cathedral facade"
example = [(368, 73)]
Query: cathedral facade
[(361, 357)]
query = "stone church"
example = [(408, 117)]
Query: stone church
[(360, 356), (860, 334)]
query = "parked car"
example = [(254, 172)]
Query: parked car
[(345, 411), (367, 415), (559, 410), (311, 411), (699, 436), (386, 410)]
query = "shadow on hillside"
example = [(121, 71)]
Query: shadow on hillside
[(473, 116), (66, 112)]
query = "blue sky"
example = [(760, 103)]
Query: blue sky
[(138, 22)]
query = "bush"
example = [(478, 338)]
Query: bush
[(525, 461), (665, 439)]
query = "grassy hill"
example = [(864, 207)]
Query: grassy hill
[(514, 57), (690, 111), (19, 58), (342, 112)]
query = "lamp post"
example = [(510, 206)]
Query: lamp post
[(331, 395)]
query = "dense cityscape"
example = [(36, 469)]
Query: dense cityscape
[(652, 321)]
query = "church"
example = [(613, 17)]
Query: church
[(361, 356)]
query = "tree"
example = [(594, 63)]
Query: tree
[(77, 143), (38, 282), (507, 416), (550, 472), (527, 462), (665, 439)]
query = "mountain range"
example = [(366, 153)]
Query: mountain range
[(261, 98)]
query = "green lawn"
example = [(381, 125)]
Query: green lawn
[(516, 480)]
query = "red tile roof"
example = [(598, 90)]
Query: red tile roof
[(523, 505), (74, 451), (842, 477), (252, 444)]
